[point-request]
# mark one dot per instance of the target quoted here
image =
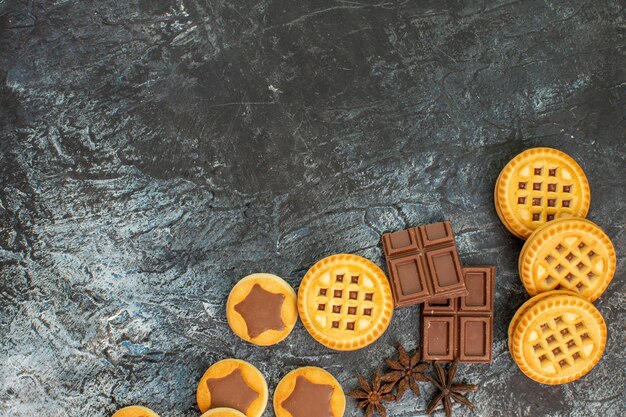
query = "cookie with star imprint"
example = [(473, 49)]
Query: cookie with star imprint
[(262, 309), (233, 383), (308, 392)]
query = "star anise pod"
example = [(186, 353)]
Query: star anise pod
[(405, 372), (370, 397), (448, 390)]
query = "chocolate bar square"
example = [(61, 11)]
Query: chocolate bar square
[(423, 263), (474, 342), (438, 337), (461, 327)]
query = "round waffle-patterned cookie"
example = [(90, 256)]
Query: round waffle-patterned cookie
[(309, 391), (135, 411), (345, 302), (223, 412), (570, 254), (528, 304), (537, 186), (557, 337)]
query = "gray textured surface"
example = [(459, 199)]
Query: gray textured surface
[(153, 152)]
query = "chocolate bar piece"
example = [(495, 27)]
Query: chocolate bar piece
[(461, 327), (423, 264)]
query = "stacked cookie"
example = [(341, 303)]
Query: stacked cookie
[(567, 262)]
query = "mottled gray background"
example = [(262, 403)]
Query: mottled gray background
[(154, 152)]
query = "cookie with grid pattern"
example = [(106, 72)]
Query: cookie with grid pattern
[(223, 412), (569, 254), (345, 302), (135, 411), (557, 337), (537, 186), (526, 306)]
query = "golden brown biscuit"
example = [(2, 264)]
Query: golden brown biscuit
[(309, 391), (569, 254), (345, 302), (233, 383), (537, 186), (524, 307), (262, 309), (223, 412), (557, 337), (135, 411)]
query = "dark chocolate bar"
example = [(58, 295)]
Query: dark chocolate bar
[(461, 327), (423, 263)]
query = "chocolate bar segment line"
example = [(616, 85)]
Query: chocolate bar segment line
[(470, 318), (423, 262)]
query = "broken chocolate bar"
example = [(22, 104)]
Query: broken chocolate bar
[(461, 327), (423, 264)]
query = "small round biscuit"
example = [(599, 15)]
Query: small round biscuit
[(233, 383), (557, 337), (528, 304), (223, 412), (568, 254), (135, 411), (309, 391), (262, 309), (345, 302), (537, 186)]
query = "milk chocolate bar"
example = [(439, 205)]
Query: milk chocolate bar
[(461, 327), (423, 264)]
